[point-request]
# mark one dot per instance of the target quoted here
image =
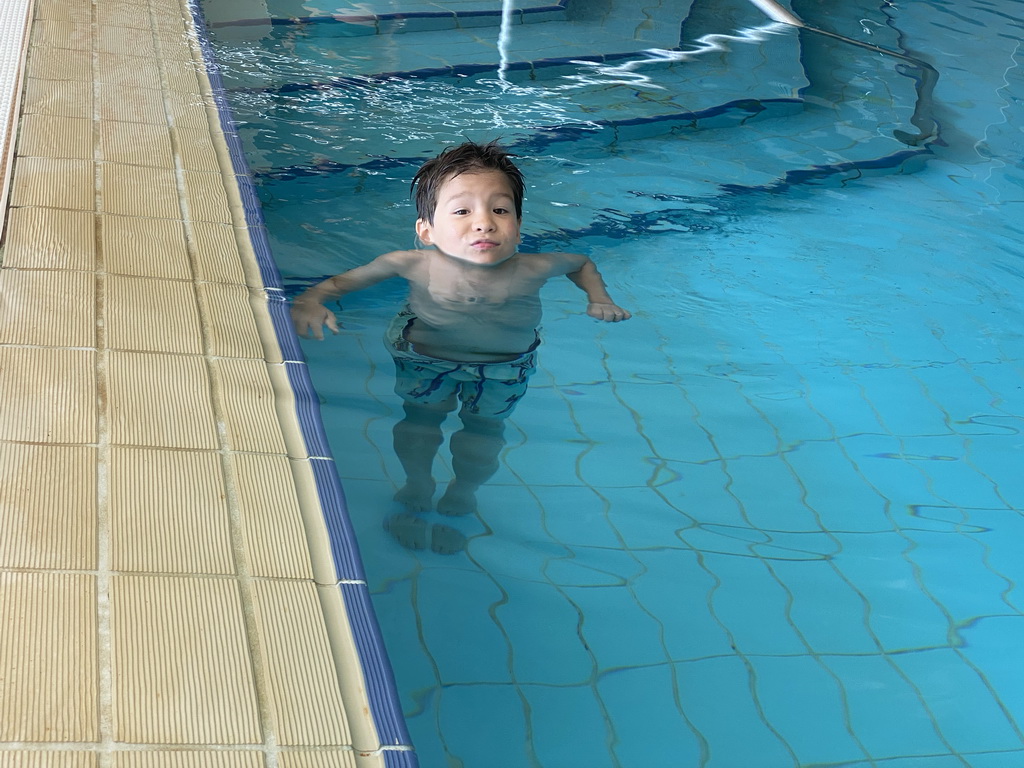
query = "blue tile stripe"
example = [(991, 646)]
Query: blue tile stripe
[(739, 111), (381, 691)]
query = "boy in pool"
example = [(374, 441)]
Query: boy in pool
[(469, 331)]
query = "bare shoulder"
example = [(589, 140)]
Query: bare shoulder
[(553, 264), (402, 259)]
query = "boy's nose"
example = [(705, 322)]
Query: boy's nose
[(484, 223)]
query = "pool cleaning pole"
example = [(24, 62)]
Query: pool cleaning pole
[(776, 12), (925, 86)]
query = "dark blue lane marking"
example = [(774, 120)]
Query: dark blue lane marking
[(380, 684), (734, 112)]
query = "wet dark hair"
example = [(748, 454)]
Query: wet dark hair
[(464, 158)]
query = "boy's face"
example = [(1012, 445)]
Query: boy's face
[(475, 219)]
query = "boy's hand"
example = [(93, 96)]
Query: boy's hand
[(310, 317), (609, 313)]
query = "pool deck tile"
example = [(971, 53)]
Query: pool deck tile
[(169, 595)]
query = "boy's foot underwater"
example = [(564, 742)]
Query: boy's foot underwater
[(416, 497), (459, 499), (416, 533)]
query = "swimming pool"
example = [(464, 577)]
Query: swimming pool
[(774, 520)]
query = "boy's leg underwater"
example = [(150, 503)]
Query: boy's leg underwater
[(475, 449), (417, 438)]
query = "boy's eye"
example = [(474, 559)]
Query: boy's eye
[(501, 211), (461, 212)]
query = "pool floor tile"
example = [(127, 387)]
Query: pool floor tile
[(946, 681), (717, 696), (874, 688), (805, 704)]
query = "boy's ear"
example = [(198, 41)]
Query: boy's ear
[(423, 231)]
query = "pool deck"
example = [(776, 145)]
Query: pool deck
[(167, 593)]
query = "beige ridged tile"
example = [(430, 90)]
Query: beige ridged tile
[(62, 34), (49, 238), (50, 693), (53, 97), (286, 406), (56, 136), (48, 506), (188, 678), (168, 512), (190, 759), (54, 183), (132, 71), (130, 105), (50, 395), (69, 65), (206, 197), (145, 247), (131, 15), (47, 308), (72, 10), (350, 673), (120, 187), (152, 315), (159, 401), (269, 514), (321, 758), (247, 405), (14, 758), (173, 45), (216, 253), (325, 569), (197, 150), (229, 320), (189, 110), (302, 683), (136, 144), (181, 76), (125, 42)]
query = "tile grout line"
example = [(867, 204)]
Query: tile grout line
[(104, 578)]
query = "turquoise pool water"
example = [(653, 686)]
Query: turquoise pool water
[(776, 519)]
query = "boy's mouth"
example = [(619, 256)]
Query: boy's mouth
[(484, 244)]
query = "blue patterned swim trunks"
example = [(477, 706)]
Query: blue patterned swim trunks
[(485, 389)]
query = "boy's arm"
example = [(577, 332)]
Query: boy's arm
[(308, 311), (600, 304)]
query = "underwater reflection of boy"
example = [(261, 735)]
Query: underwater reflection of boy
[(469, 331)]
